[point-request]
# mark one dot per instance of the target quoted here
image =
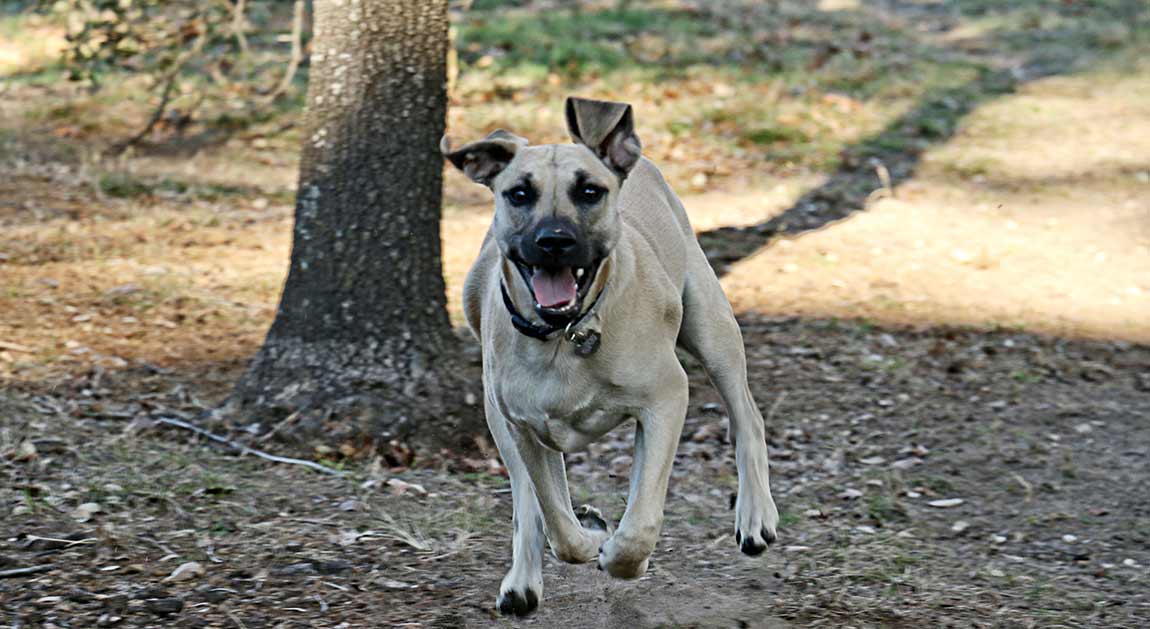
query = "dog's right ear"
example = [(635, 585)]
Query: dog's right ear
[(481, 161)]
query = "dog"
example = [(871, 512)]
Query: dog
[(588, 280)]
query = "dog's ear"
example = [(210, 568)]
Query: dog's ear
[(608, 129), (481, 161)]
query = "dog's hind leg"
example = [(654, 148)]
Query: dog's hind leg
[(711, 334), (625, 554), (522, 588)]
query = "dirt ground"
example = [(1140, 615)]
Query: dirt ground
[(933, 220), (1038, 449)]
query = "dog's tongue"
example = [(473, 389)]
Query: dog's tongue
[(553, 288)]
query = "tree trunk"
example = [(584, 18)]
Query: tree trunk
[(362, 345)]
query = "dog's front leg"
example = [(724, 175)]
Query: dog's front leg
[(656, 439), (522, 588), (570, 540)]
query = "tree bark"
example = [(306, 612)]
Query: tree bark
[(361, 345)]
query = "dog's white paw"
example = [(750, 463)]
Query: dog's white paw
[(622, 560), (517, 602), (519, 594), (756, 522)]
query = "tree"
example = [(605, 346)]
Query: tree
[(361, 344)]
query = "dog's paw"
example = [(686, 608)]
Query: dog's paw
[(591, 518), (755, 545), (756, 524), (517, 602), (621, 562)]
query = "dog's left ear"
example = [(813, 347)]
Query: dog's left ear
[(481, 161), (608, 129)]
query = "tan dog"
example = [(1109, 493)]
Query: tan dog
[(589, 278)]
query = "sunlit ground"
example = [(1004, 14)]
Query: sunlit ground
[(1035, 216)]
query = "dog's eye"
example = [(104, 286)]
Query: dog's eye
[(520, 196), (588, 194)]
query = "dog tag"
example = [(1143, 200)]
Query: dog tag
[(586, 343)]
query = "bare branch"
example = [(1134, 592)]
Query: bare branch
[(238, 21), (296, 54)]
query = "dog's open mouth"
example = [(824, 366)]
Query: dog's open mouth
[(558, 291)]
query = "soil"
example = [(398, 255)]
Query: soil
[(1043, 442)]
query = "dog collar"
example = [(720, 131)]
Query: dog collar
[(585, 341)]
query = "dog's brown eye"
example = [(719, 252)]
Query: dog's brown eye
[(520, 196), (588, 194)]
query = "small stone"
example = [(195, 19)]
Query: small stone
[(851, 494), (1129, 563), (1082, 429), (998, 539), (960, 526), (1069, 539)]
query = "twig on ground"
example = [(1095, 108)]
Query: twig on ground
[(246, 450), (1027, 487), (169, 80), (67, 542), (235, 619), (23, 572), (158, 544), (775, 407), (290, 419), (157, 114)]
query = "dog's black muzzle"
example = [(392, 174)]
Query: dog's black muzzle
[(553, 244), (558, 264)]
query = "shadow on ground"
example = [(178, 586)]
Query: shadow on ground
[(1004, 58)]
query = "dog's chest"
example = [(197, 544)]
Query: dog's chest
[(563, 404)]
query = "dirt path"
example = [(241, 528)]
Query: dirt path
[(1044, 442)]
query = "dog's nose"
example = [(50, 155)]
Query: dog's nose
[(555, 241)]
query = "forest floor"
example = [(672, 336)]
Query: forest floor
[(933, 220)]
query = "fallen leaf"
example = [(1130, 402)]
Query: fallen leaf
[(399, 487), (186, 572), (946, 503), (84, 512)]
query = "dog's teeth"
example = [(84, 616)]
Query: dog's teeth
[(579, 273)]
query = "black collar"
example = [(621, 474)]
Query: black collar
[(586, 341)]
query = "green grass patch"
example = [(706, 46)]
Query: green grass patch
[(578, 41)]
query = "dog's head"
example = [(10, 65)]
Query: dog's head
[(556, 219)]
